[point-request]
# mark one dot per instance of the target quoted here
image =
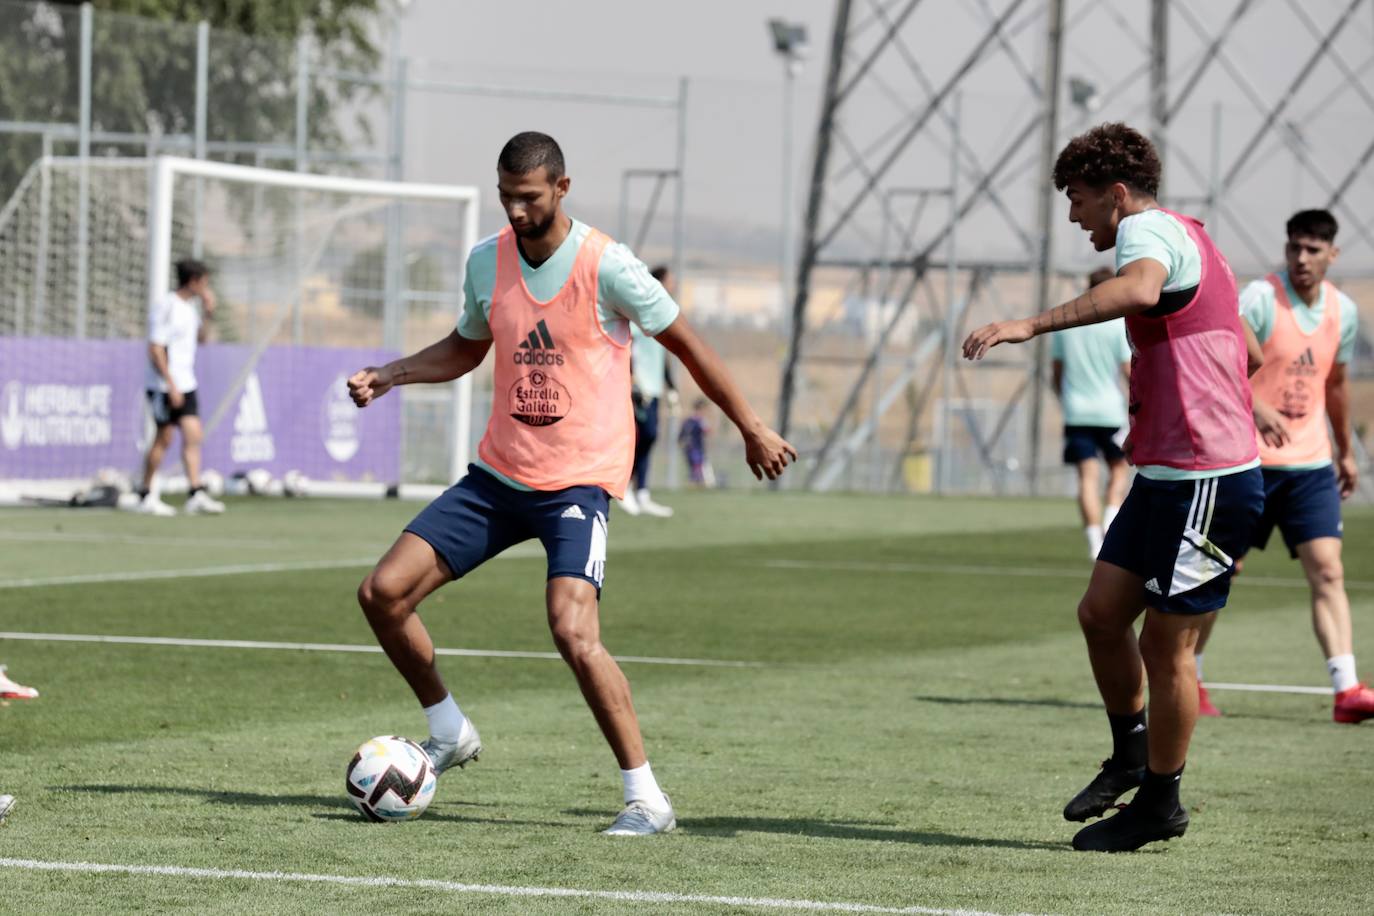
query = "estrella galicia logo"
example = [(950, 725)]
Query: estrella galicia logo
[(538, 349), (539, 400)]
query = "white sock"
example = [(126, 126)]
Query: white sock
[(640, 785), (1198, 658), (644, 496), (1342, 671), (1109, 516), (1094, 536), (445, 719)]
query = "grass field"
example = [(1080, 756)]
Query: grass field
[(917, 711)]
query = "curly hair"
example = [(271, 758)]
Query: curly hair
[(1107, 154)]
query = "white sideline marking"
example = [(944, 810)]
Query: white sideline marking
[(62, 537), (498, 890), (1270, 688), (194, 573), (348, 647), (1039, 572)]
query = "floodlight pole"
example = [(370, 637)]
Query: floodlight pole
[(1054, 54)]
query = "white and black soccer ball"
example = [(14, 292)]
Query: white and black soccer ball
[(294, 483), (259, 481), (390, 779), (213, 481)]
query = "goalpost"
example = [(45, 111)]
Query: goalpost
[(315, 277)]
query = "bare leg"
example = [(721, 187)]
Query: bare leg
[(1321, 562), (409, 572), (1204, 631), (574, 620), (192, 434), (162, 441), (1166, 644), (1089, 500), (1106, 614), (1118, 479)]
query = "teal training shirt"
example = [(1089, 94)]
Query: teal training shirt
[(626, 293), (1090, 391)]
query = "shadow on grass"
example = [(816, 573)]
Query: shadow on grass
[(1007, 701), (245, 799), (731, 827)]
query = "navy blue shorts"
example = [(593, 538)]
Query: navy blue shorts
[(1182, 538), (1304, 505), (479, 516), (1083, 443)]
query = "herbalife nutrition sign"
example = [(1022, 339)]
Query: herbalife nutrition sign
[(70, 408)]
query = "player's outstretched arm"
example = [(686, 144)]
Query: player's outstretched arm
[(1134, 290), (444, 361), (766, 451)]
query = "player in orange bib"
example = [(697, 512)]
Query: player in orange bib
[(554, 299), (1307, 329)]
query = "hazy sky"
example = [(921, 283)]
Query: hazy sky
[(641, 47)]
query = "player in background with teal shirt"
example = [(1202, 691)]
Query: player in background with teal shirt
[(1088, 360), (651, 385)]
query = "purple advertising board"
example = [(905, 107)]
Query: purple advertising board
[(69, 408)]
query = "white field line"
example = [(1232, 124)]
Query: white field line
[(1271, 688), (194, 573), (78, 537), (496, 890), (1039, 572), (348, 647)]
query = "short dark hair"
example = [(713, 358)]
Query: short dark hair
[(1107, 154), (190, 270), (1317, 224), (529, 150), (659, 272), (1101, 275)]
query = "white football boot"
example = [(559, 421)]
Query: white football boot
[(638, 819), (460, 753), (629, 503), (649, 507), (152, 504), (9, 690), (6, 805), (202, 503)]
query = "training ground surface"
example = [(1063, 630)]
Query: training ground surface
[(917, 711)]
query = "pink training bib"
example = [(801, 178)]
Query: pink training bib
[(561, 414), (1293, 378), (1190, 397)]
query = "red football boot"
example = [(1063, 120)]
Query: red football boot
[(1354, 705), (1204, 702)]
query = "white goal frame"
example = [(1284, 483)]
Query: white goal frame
[(160, 217)]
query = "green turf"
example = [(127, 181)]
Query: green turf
[(923, 711)]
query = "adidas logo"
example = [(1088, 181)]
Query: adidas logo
[(1137, 729), (573, 511), (533, 350), (1305, 360), (252, 441), (1153, 586)]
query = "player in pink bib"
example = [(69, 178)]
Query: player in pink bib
[(1197, 493), (554, 303)]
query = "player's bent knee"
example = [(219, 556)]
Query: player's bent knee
[(1329, 574), (383, 595)]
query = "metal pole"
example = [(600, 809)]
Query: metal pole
[(83, 203), (40, 289), (1159, 77), (951, 267), (1214, 180), (1054, 50), (298, 215), (394, 279), (815, 199), (202, 114), (679, 258), (789, 89)]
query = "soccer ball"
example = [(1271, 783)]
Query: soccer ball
[(390, 779), (213, 481), (294, 483)]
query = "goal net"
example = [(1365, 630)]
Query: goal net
[(315, 277)]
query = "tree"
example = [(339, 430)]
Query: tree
[(144, 69)]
